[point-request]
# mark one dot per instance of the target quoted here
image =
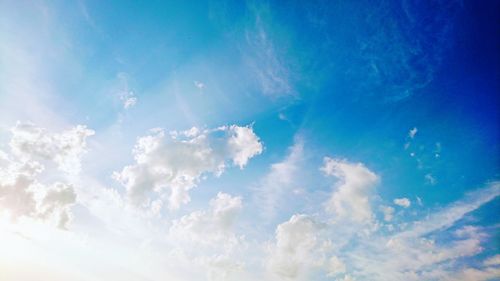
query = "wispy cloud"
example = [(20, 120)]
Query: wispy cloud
[(280, 182), (266, 61)]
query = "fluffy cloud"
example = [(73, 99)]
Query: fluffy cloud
[(207, 237), (304, 247), (16, 184), (212, 226), (30, 142), (356, 184), (21, 195), (295, 251), (56, 202), (403, 202), (243, 144), (172, 164)]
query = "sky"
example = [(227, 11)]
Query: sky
[(249, 140)]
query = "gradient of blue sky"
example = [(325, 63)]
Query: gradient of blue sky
[(340, 109)]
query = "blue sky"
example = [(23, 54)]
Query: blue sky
[(245, 140)]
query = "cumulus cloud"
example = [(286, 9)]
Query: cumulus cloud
[(243, 144), (172, 164), (351, 199), (295, 250), (56, 202), (211, 226), (402, 202), (16, 194), (21, 195), (304, 247), (208, 236), (30, 142)]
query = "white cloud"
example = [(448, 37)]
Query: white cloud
[(199, 85), (485, 273), (211, 243), (430, 179), (305, 247), (420, 256), (348, 277), (413, 132), (456, 211), (211, 227), (208, 237), (22, 195), (351, 199), (243, 144), (296, 247), (128, 99), (281, 181), (388, 212), (335, 266), (170, 165), (16, 183), (57, 200), (403, 202), (30, 142), (491, 261), (419, 201), (266, 61), (121, 88)]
